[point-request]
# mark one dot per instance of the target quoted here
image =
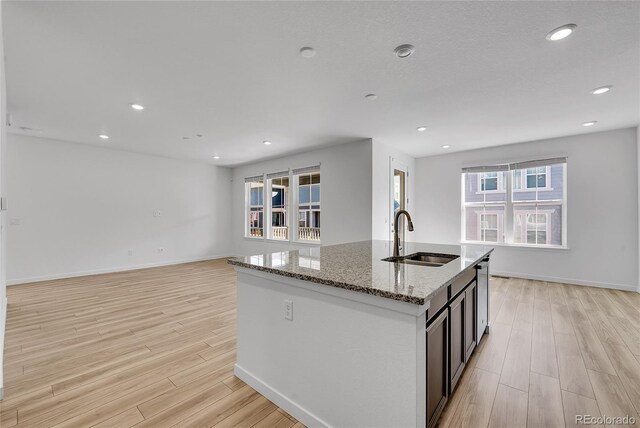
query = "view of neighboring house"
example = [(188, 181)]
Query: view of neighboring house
[(520, 206)]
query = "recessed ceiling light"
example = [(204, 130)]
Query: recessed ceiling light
[(371, 97), (308, 52), (404, 51), (103, 136), (185, 137), (561, 32), (137, 107), (601, 90), (446, 146), (199, 135), (593, 122), (216, 157), (421, 128), (266, 143)]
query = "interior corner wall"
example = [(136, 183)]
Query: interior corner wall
[(602, 208), (346, 174), (3, 215), (381, 203), (76, 209)]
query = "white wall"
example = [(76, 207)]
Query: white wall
[(381, 208), (82, 208), (3, 216), (345, 193), (602, 208), (638, 149)]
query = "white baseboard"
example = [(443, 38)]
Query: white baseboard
[(623, 287), (291, 407), (112, 269)]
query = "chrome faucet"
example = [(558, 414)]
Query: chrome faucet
[(396, 226)]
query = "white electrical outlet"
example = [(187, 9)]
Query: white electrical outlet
[(288, 310), (130, 252)]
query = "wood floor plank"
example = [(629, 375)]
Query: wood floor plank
[(509, 408), (517, 362), (474, 409), (611, 396), (126, 419), (576, 406), (113, 408), (573, 372), (628, 370), (275, 420), (221, 409), (543, 348), (248, 415), (189, 405), (545, 402), (495, 348)]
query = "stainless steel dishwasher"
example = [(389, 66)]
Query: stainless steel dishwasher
[(483, 298)]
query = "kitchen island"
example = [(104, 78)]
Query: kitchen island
[(336, 336)]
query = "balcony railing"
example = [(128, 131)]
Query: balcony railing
[(255, 231), (280, 232), (309, 233)]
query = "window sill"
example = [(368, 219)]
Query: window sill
[(560, 248), (308, 243), (284, 241)]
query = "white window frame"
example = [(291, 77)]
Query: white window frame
[(248, 206), (499, 225), (501, 183), (296, 211), (525, 229), (269, 191), (508, 224), (523, 182)]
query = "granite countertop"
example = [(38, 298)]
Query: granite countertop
[(358, 266)]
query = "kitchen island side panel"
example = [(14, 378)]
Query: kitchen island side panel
[(338, 362)]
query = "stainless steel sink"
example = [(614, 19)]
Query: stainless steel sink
[(423, 259)]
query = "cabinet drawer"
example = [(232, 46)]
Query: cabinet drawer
[(438, 301), (462, 281)]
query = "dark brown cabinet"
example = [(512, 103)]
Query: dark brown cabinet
[(437, 366), (458, 350), (471, 320), (452, 324)]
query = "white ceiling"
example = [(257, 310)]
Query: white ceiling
[(482, 73)]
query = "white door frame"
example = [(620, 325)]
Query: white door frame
[(395, 164)]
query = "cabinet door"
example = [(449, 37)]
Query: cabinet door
[(437, 362), (457, 348), (470, 320)]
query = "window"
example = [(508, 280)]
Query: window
[(284, 205), (309, 205), (254, 188), (484, 206), (532, 212), (532, 178), (279, 206), (491, 182), (489, 230)]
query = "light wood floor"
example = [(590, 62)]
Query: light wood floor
[(153, 347), (156, 348), (555, 351)]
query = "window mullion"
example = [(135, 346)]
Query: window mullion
[(508, 215), (266, 207)]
